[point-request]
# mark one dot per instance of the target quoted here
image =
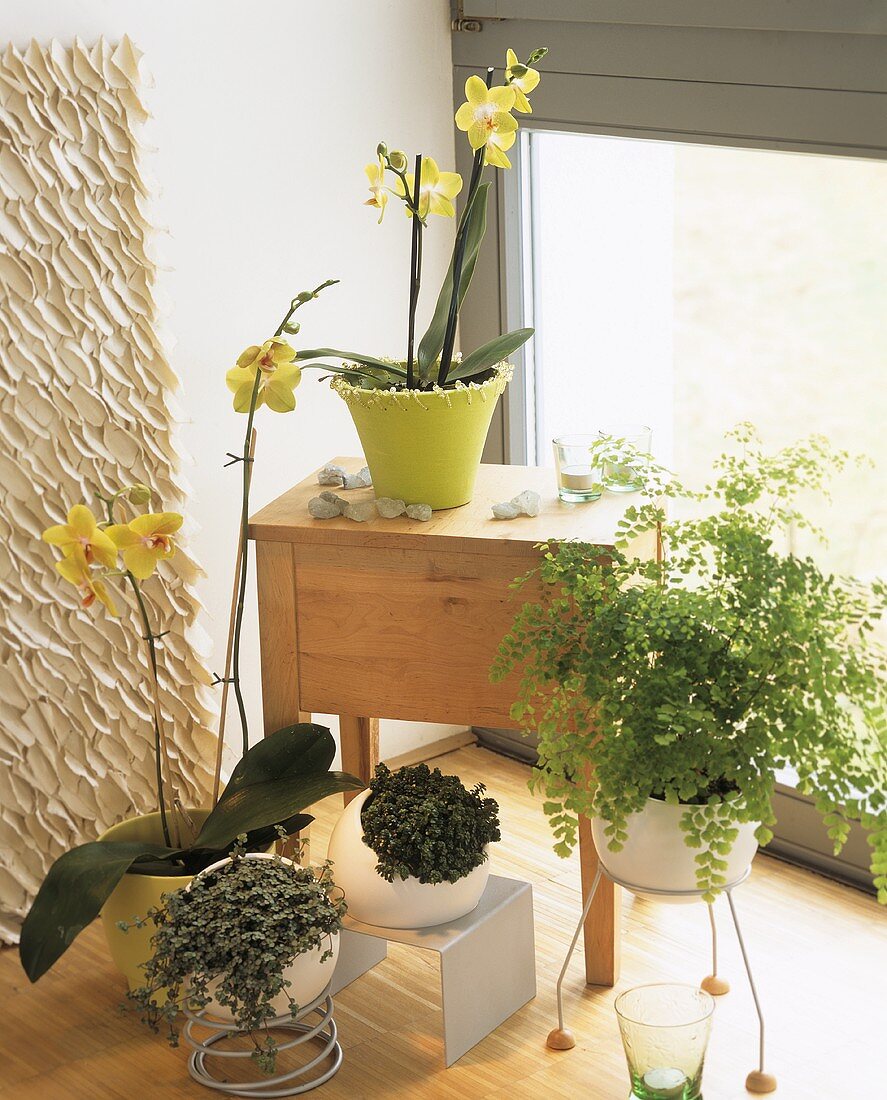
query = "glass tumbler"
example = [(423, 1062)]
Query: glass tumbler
[(579, 478), (619, 477), (665, 1030)]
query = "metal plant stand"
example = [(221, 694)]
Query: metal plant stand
[(292, 1083), (561, 1038)]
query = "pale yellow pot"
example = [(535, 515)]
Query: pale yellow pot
[(425, 448), (134, 895)]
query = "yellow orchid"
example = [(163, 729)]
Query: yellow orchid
[(436, 189), (278, 376), (379, 192), (146, 540), (75, 569), (522, 80), (82, 533), (486, 119)]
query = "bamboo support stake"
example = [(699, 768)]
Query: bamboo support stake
[(217, 774)]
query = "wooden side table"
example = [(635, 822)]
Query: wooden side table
[(401, 619)]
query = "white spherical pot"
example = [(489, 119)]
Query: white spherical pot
[(656, 855), (404, 903), (308, 974)]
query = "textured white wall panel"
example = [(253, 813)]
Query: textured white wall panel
[(85, 404)]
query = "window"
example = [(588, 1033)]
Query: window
[(695, 226)]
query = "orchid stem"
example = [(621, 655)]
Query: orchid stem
[(296, 303), (415, 271), (446, 355)]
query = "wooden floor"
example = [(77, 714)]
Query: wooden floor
[(819, 952)]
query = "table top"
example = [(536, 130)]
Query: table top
[(469, 529)]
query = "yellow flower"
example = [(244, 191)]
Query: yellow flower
[(522, 80), (486, 119), (436, 189), (82, 533), (75, 569), (146, 540), (278, 376), (379, 193)]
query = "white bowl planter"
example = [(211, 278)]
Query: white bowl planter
[(404, 903), (307, 974), (656, 855)]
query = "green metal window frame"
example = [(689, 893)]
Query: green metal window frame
[(763, 74)]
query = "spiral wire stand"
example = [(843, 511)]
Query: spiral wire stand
[(561, 1038), (282, 1084)]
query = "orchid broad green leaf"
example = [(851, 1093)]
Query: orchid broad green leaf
[(278, 777), (431, 343), (75, 889), (352, 357), (489, 354)]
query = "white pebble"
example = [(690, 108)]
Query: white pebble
[(365, 476), (421, 512), (389, 508), (529, 502), (322, 509), (360, 511), (331, 474), (333, 498), (507, 509)]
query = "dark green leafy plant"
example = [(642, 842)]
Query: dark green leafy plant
[(697, 678), (230, 937), (270, 787), (426, 825)]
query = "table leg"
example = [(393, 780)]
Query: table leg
[(602, 926), (359, 738), (278, 649), (278, 642)]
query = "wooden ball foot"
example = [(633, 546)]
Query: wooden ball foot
[(758, 1081), (714, 985), (561, 1039)]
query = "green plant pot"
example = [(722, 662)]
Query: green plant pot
[(425, 448), (134, 895)]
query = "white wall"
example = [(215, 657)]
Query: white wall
[(264, 116)]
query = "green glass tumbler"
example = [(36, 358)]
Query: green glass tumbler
[(665, 1030)]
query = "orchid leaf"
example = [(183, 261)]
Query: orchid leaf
[(431, 343), (280, 776), (489, 354), (352, 357), (75, 889)]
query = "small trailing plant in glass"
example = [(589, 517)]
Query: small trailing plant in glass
[(426, 825), (229, 939), (274, 781), (487, 119), (697, 677)]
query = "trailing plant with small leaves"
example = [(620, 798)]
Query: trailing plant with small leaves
[(696, 678), (230, 937), (426, 825)]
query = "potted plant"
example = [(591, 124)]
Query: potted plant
[(253, 938), (423, 419), (668, 694), (133, 864), (412, 850)]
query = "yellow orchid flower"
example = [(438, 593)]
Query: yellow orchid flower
[(379, 192), (522, 80), (146, 540), (436, 190), (75, 569), (82, 533), (486, 119), (278, 376)]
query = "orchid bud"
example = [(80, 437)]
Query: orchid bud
[(139, 494), (398, 160), (381, 149), (537, 55)]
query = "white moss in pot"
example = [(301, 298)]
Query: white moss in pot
[(412, 850)]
